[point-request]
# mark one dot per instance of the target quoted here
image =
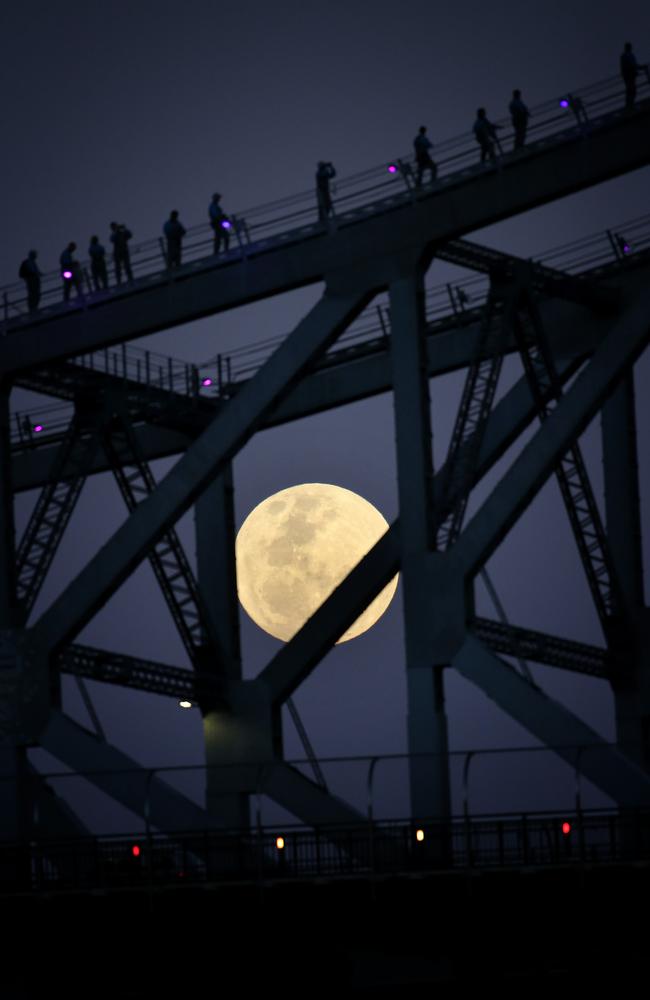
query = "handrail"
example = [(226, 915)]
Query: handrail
[(271, 225)]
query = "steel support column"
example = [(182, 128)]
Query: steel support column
[(630, 641), (214, 521), (427, 721)]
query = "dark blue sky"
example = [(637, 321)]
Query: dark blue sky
[(127, 110)]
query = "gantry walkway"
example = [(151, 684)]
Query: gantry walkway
[(279, 247)]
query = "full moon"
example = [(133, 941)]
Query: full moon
[(294, 549)]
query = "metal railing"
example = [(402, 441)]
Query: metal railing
[(379, 189), (459, 300)]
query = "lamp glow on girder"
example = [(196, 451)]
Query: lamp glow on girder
[(184, 703), (564, 102), (279, 843), (206, 381), (419, 836), (67, 275), (226, 225), (294, 549), (37, 428), (392, 169)]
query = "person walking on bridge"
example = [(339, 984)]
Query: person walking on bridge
[(519, 114), (422, 144), (97, 255), (220, 223), (486, 135), (120, 237), (629, 71), (324, 175), (31, 275), (174, 232), (70, 272)]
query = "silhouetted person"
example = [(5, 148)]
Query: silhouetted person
[(220, 224), (97, 255), (70, 272), (324, 175), (486, 135), (31, 275), (629, 71), (422, 144), (120, 237), (576, 105), (174, 232), (519, 114)]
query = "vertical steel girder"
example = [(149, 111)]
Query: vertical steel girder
[(54, 509), (427, 720), (167, 557), (571, 472)]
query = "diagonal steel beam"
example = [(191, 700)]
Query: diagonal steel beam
[(294, 662), (200, 463), (120, 776), (529, 471), (305, 799), (564, 733)]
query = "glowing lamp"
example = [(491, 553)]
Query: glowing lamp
[(67, 275), (392, 169), (564, 103), (135, 851), (294, 549), (626, 248), (566, 828), (206, 381), (226, 225), (184, 703), (279, 843), (419, 835), (38, 428)]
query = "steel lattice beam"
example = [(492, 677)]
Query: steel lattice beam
[(579, 657), (53, 510)]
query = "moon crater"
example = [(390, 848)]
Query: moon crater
[(294, 549)]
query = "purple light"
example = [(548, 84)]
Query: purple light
[(392, 169), (67, 275), (38, 428), (626, 248), (564, 103), (225, 224), (206, 381)]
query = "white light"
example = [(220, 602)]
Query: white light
[(279, 843), (419, 835), (184, 703)]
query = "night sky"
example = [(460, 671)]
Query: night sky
[(126, 110)]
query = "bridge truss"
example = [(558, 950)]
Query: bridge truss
[(578, 335)]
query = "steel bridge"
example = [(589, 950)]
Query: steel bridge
[(579, 318)]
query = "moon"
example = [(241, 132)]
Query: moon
[(294, 549)]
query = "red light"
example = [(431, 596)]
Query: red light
[(135, 851), (566, 828)]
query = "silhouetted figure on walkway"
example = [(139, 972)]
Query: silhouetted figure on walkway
[(174, 232), (70, 272), (519, 114), (220, 223), (97, 255), (324, 175), (120, 237), (486, 135), (422, 144), (575, 104), (629, 72), (31, 275)]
